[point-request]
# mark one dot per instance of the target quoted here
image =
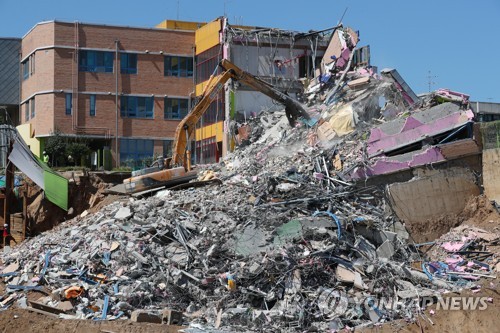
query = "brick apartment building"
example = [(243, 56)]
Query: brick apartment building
[(106, 82)]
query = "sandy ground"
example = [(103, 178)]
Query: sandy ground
[(16, 320)]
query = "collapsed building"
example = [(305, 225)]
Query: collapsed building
[(307, 228)]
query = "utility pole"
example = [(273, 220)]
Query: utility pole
[(117, 153), (430, 77)]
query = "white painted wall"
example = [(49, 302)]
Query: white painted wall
[(250, 103), (258, 60)]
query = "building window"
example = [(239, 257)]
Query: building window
[(32, 101), (27, 111), (92, 105), (133, 151), (178, 66), (167, 148), (175, 108), (69, 103), (207, 62), (215, 112), (206, 150), (137, 107), (128, 63), (26, 69), (96, 61)]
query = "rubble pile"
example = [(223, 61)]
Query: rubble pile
[(287, 242), (465, 253), (284, 243)]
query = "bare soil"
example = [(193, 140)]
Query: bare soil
[(478, 212), (84, 190), (16, 320)]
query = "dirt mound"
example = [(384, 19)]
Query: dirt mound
[(478, 212), (85, 191)]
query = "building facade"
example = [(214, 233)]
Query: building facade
[(123, 88), (280, 57), (10, 50)]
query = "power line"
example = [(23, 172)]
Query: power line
[(430, 77)]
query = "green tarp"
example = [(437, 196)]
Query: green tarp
[(56, 189)]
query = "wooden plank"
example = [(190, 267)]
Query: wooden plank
[(42, 312), (45, 308)]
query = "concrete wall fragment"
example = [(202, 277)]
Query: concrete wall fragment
[(491, 173), (432, 194)]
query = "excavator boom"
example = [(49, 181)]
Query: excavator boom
[(187, 125), (179, 166)]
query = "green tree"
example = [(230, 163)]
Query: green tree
[(77, 150), (55, 147)]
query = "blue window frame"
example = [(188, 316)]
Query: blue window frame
[(27, 111), (26, 69), (128, 63), (132, 151), (167, 148), (96, 61), (175, 108), (32, 107), (92, 105), (178, 66), (137, 107), (69, 103)]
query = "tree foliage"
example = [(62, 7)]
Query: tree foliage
[(77, 150), (55, 147), (60, 147)]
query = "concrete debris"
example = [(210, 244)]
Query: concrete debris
[(288, 240), (297, 255)]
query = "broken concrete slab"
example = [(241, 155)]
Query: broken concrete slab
[(439, 191), (144, 316), (344, 274), (386, 250), (123, 213), (171, 317), (491, 173)]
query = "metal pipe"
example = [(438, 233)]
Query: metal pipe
[(117, 155)]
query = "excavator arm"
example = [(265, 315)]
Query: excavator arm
[(188, 124), (186, 127), (178, 170), (293, 109)]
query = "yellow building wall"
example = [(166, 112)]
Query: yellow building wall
[(180, 25), (34, 143), (207, 36), (209, 131)]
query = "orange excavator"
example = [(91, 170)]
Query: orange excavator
[(177, 169)]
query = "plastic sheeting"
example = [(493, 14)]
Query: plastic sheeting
[(54, 185), (24, 160), (56, 189)]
